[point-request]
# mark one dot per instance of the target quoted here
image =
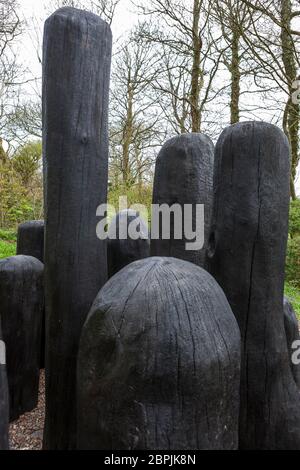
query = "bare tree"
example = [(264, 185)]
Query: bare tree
[(235, 21), (190, 60), (104, 8), (10, 71), (274, 43), (134, 115)]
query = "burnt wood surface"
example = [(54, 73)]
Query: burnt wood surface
[(121, 252), (159, 362), (4, 405), (76, 74), (184, 175), (246, 255), (30, 242), (21, 311)]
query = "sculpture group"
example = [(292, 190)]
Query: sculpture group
[(148, 345)]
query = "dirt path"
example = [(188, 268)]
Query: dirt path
[(27, 432)]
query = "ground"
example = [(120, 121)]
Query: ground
[(26, 433)]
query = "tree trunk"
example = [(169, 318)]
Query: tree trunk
[(293, 110), (235, 78), (127, 139), (196, 72)]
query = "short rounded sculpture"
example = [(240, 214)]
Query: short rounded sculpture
[(159, 362)]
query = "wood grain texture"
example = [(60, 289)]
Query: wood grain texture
[(184, 175), (76, 73), (121, 252), (4, 405), (246, 256), (291, 326), (30, 242), (159, 362), (21, 310)]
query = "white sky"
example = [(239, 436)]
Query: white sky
[(125, 18)]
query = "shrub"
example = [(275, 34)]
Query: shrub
[(292, 269)]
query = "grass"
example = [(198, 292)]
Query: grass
[(7, 243), (293, 294)]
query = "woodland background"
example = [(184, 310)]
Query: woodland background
[(182, 66)]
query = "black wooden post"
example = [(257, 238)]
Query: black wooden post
[(121, 252), (21, 310), (246, 255), (159, 362), (30, 242), (4, 405), (76, 73), (30, 239), (184, 175)]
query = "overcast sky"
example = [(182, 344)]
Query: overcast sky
[(125, 18)]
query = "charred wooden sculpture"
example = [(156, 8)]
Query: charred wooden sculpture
[(21, 310), (159, 362), (184, 175), (122, 249), (4, 406), (30, 239), (76, 71), (246, 255), (30, 242)]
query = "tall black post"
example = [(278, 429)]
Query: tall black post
[(4, 406), (76, 72), (246, 255), (183, 175)]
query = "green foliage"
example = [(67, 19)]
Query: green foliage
[(135, 195), (293, 294), (21, 192), (7, 249), (294, 220), (292, 269), (8, 235), (26, 161), (7, 243)]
